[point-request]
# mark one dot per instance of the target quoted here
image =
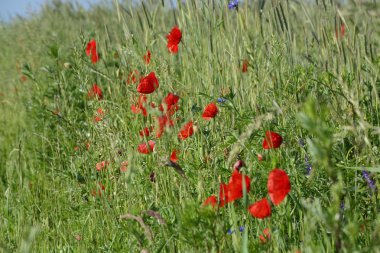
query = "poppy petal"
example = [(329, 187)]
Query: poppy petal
[(174, 38), (143, 148), (212, 200), (260, 209), (186, 131), (148, 84), (272, 140), (210, 111), (278, 185)]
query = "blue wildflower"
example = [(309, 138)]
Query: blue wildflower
[(230, 232), (221, 100), (342, 205), (307, 166), (241, 228), (301, 142), (233, 4), (370, 181)]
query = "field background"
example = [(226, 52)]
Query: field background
[(307, 80)]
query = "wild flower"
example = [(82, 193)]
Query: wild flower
[(174, 38), (371, 183), (233, 4)]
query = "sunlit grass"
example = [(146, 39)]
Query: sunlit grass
[(306, 79)]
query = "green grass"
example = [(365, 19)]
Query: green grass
[(302, 82)]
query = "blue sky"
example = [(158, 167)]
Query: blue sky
[(10, 8)]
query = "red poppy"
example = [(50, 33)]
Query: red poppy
[(174, 38), (143, 148), (260, 157), (212, 200), (245, 66), (99, 116), (272, 140), (235, 187), (278, 185), (133, 76), (147, 57), (102, 165), (148, 84), (95, 92), (91, 51), (186, 131), (171, 101), (261, 209), (342, 31), (223, 194), (173, 156), (139, 107), (23, 78), (266, 236), (210, 111), (146, 131), (100, 187), (124, 166), (163, 122)]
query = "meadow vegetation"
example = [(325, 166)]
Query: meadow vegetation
[(73, 177)]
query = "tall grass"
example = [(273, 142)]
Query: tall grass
[(306, 80)]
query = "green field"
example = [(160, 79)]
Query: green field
[(72, 178)]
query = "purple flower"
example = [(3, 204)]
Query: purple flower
[(230, 232), (307, 166), (221, 100), (241, 228), (370, 181), (233, 4), (301, 142)]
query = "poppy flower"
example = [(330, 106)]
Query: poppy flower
[(95, 92), (91, 51), (278, 185), (146, 131), (260, 157), (260, 209), (133, 76), (174, 38), (102, 165), (266, 236), (124, 166), (223, 193), (163, 122), (171, 101), (210, 111), (100, 187), (147, 57), (212, 200), (143, 148), (235, 186), (139, 107), (23, 78), (272, 140), (99, 116), (244, 68), (186, 131), (342, 31), (173, 156), (148, 84)]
